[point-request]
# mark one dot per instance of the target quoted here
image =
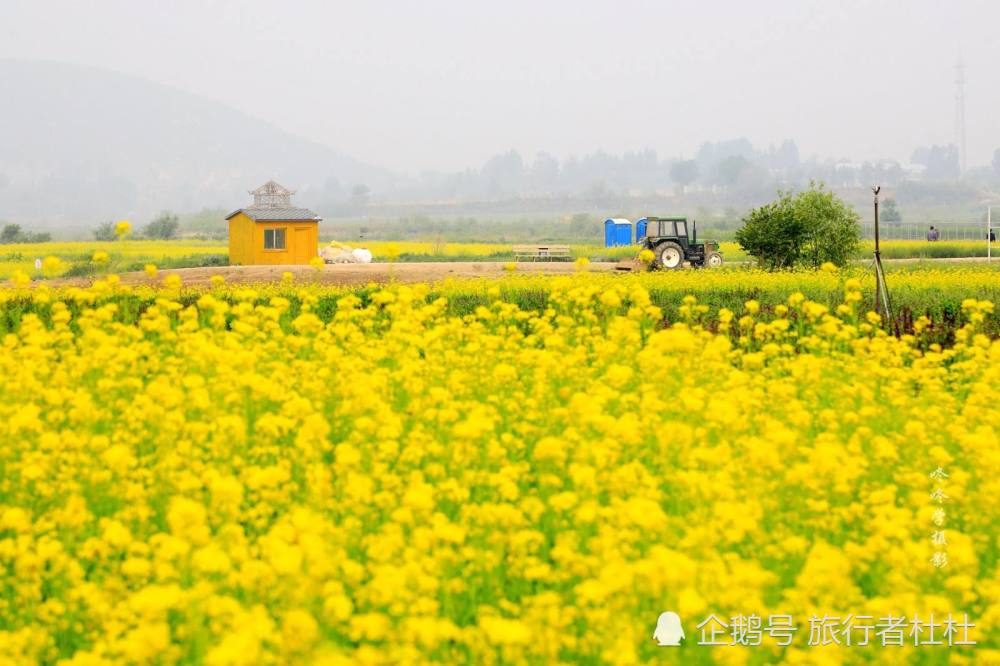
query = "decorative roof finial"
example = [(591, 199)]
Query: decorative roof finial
[(272, 195)]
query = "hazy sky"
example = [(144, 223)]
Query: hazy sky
[(444, 85)]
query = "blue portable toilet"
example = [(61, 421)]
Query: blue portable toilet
[(640, 229), (623, 233), (617, 231), (609, 233)]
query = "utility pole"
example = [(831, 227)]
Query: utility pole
[(960, 113)]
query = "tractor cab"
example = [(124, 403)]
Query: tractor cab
[(667, 238), (664, 227)]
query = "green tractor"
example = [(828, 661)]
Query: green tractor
[(667, 238)]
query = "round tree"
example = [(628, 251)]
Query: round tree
[(808, 228)]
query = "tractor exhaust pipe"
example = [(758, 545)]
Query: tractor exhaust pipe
[(694, 231)]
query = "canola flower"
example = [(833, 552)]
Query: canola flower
[(125, 256), (122, 229), (392, 251), (228, 482), (172, 283), (52, 266), (20, 279)]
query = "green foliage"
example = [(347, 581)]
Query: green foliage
[(889, 212), (941, 162), (684, 172), (9, 233), (806, 228), (105, 231), (12, 233), (208, 223), (163, 227), (583, 225), (772, 234), (933, 193), (728, 171), (187, 261), (80, 269), (833, 230)]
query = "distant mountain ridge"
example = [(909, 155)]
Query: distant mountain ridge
[(81, 144)]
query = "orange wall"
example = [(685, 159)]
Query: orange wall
[(240, 240), (246, 242)]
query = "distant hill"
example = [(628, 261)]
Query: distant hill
[(78, 145)]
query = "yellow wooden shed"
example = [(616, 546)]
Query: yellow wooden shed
[(272, 230)]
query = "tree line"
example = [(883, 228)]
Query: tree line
[(164, 227), (13, 234)]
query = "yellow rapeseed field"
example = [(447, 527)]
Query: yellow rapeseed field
[(127, 254), (20, 257), (228, 477)]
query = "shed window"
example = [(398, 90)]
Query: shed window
[(274, 239)]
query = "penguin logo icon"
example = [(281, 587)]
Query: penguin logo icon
[(669, 632)]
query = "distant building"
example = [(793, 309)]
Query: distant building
[(272, 231)]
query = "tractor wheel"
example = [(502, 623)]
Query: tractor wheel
[(713, 260), (669, 256)]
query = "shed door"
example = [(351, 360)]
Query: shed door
[(304, 247)]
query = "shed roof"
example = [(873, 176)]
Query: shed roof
[(258, 214), (272, 188)]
